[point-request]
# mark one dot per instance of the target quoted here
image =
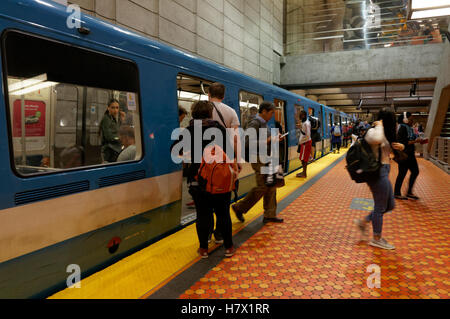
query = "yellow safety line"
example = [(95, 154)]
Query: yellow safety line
[(143, 273)]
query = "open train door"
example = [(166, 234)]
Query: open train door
[(280, 123)]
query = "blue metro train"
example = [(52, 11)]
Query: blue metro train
[(60, 203)]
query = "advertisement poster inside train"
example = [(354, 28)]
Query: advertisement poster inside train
[(34, 118)]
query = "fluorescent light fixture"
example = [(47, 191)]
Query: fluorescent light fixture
[(330, 37), (422, 9), (192, 96), (427, 4), (430, 13), (245, 104), (414, 98), (27, 83), (33, 88)]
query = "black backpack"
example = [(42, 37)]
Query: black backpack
[(362, 164), (315, 123)]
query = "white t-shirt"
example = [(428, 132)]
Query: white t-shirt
[(306, 128), (229, 115), (231, 119), (128, 154)]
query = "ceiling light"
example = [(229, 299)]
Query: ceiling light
[(420, 9), (427, 4), (330, 37), (413, 98), (26, 83)]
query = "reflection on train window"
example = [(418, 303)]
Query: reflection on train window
[(249, 106), (58, 105), (298, 121), (279, 115), (190, 90)]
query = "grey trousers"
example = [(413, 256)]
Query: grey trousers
[(269, 195)]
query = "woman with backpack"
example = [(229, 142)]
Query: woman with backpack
[(336, 135), (207, 195), (382, 140)]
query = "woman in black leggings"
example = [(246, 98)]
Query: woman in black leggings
[(407, 137)]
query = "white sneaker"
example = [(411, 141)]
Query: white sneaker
[(381, 243)]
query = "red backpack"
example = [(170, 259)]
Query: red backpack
[(216, 174)]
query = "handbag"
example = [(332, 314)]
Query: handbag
[(400, 156)]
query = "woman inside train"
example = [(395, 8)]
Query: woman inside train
[(109, 130)]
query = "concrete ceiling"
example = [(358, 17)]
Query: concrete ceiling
[(371, 96)]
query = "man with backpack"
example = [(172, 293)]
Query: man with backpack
[(268, 193), (336, 133)]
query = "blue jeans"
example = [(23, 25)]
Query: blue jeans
[(383, 196)]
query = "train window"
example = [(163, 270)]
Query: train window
[(249, 106), (190, 90), (311, 111), (280, 114), (69, 107)]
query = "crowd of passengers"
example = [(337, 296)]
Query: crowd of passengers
[(385, 136)]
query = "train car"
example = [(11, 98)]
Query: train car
[(62, 205)]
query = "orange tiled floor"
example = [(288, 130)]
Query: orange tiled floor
[(316, 253)]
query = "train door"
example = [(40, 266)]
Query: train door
[(190, 90), (327, 129), (280, 123), (248, 107), (315, 135), (319, 144)]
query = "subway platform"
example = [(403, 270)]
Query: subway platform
[(317, 253)]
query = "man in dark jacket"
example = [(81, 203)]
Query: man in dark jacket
[(266, 111), (406, 136)]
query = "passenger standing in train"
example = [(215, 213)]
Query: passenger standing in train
[(228, 118), (252, 114), (346, 136), (268, 193), (406, 136), (336, 135), (207, 203), (126, 135), (181, 113), (305, 142), (382, 140), (109, 130)]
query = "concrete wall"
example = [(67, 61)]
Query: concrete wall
[(406, 62), (441, 98), (245, 35)]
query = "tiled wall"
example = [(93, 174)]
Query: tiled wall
[(245, 35)]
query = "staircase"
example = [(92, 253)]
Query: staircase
[(440, 154), (446, 128)]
